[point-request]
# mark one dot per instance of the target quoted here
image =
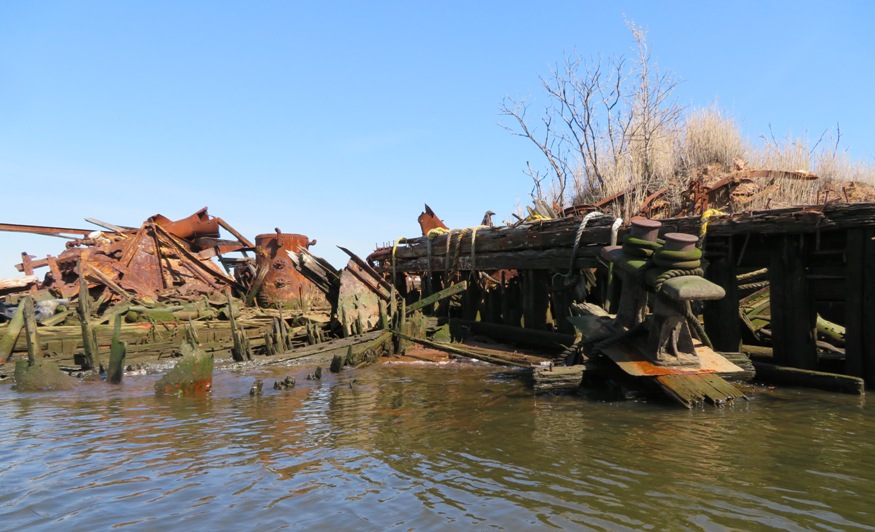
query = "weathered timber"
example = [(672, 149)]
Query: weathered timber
[(536, 289), (694, 390), (89, 344), (792, 307), (725, 334), (33, 346), (549, 379), (537, 245), (741, 360), (512, 334), (14, 283), (832, 382), (118, 349), (10, 336), (807, 219), (501, 358), (328, 348), (860, 304), (527, 259), (242, 349), (437, 296)]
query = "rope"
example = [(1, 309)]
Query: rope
[(436, 232), (753, 286), (615, 229), (751, 275), (570, 278), (706, 217)]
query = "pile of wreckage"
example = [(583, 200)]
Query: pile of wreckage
[(535, 294)]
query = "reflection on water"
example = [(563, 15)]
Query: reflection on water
[(428, 447)]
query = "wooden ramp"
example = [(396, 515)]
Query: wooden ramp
[(689, 385)]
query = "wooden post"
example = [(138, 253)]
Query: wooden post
[(722, 322), (33, 348), (511, 301), (792, 307), (859, 301), (118, 349), (89, 345), (7, 342), (536, 285), (471, 298)]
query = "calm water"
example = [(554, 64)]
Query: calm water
[(425, 447)]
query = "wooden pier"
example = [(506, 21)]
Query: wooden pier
[(817, 261)]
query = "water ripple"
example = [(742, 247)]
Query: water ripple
[(401, 447)]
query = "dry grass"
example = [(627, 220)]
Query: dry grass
[(710, 143)]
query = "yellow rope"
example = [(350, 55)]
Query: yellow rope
[(437, 231), (707, 216)]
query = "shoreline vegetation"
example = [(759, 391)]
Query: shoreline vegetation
[(613, 127)]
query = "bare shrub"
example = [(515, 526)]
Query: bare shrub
[(610, 126)]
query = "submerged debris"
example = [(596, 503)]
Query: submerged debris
[(285, 384)]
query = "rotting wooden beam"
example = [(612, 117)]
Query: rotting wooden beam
[(118, 349), (10, 336), (89, 343), (437, 296), (460, 350), (831, 382)]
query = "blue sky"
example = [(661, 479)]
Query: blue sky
[(340, 119)]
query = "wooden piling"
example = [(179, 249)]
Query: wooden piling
[(89, 344), (13, 330), (724, 333), (118, 349), (792, 307), (33, 348), (536, 284), (860, 304)]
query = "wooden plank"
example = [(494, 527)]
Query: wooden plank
[(694, 390), (437, 296)]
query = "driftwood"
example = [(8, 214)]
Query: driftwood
[(549, 379), (15, 283)]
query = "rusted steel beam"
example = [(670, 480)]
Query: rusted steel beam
[(43, 230), (196, 261), (198, 224), (227, 227)]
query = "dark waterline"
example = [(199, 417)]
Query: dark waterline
[(427, 447)]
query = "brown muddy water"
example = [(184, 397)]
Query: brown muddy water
[(459, 446)]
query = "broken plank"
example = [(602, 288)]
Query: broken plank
[(820, 380)]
